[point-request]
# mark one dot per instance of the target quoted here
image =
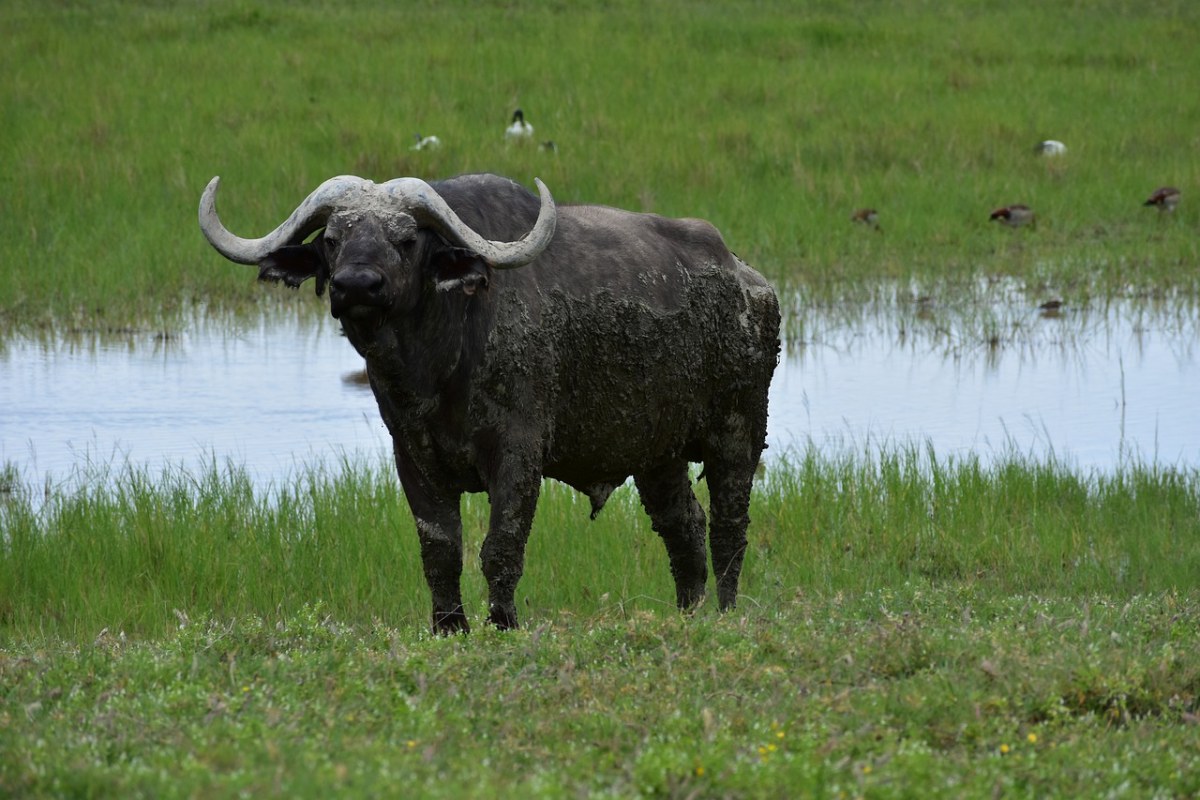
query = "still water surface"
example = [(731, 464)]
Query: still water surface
[(1093, 388)]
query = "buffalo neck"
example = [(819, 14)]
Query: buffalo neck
[(423, 353)]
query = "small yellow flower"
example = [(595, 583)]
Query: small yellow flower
[(699, 772), (411, 743), (771, 748), (1003, 749), (1032, 738), (779, 734), (866, 769)]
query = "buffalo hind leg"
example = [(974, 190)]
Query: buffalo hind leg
[(677, 517), (729, 504)]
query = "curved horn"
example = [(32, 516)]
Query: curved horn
[(415, 195), (308, 217)]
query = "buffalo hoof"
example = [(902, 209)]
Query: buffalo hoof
[(689, 598), (503, 617), (447, 623), (727, 598)]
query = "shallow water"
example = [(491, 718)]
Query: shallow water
[(1092, 387), (270, 398)]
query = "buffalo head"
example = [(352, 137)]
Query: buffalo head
[(380, 244)]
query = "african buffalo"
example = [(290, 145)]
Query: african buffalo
[(507, 339)]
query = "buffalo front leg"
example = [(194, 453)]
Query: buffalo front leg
[(514, 499), (441, 558), (439, 528), (677, 517)]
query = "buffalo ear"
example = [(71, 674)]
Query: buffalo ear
[(457, 268), (295, 264)]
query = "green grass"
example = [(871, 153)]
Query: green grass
[(125, 550), (900, 693), (908, 627), (772, 120)]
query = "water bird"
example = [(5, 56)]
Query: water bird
[(868, 217), (1013, 216), (1051, 309), (426, 143), (519, 129), (1164, 198), (358, 377), (1050, 147)]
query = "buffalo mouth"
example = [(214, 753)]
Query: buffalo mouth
[(355, 310)]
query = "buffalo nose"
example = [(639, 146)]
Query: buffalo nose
[(356, 288), (358, 283)]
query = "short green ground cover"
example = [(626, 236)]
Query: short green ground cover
[(917, 691)]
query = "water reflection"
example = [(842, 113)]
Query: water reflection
[(1092, 385), (271, 397)]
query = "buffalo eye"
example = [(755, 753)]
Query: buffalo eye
[(332, 242), (406, 246)]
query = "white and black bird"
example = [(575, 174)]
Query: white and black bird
[(1050, 147), (519, 129), (1164, 198), (426, 143)]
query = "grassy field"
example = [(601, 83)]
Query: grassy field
[(774, 122), (907, 692), (909, 626)]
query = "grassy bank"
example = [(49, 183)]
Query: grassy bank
[(126, 552), (907, 627), (771, 120), (905, 622)]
